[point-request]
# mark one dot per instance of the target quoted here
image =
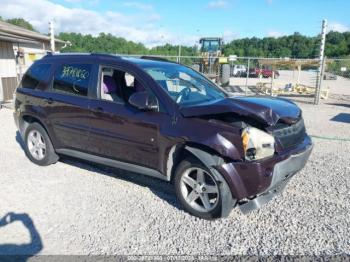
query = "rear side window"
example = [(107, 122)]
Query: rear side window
[(72, 79), (35, 75)]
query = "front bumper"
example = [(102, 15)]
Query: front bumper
[(255, 183), (282, 173)]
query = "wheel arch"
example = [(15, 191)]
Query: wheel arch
[(206, 155), (209, 158), (27, 119), (24, 123)]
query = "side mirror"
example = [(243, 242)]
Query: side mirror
[(142, 101)]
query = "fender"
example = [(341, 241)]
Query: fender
[(23, 124), (207, 159)]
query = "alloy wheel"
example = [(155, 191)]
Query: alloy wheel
[(199, 189), (36, 145)]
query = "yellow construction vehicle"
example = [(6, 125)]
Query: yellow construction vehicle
[(212, 63)]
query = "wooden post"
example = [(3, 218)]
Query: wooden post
[(321, 63), (247, 77), (299, 70), (272, 78)]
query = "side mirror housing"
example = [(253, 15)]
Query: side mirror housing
[(142, 101)]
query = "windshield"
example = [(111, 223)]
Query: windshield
[(210, 46), (184, 85)]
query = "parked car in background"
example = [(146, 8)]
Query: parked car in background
[(238, 70), (266, 72), (163, 120)]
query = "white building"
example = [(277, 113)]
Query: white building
[(19, 47)]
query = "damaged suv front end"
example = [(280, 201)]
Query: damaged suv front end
[(260, 180), (269, 141)]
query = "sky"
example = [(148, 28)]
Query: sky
[(155, 22)]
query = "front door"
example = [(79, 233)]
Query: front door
[(118, 130)]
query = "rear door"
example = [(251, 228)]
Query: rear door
[(67, 105)]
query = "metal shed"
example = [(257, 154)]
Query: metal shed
[(19, 48)]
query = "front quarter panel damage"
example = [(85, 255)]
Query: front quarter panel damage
[(223, 139)]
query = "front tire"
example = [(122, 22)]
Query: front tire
[(38, 146), (200, 192)]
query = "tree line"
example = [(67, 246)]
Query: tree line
[(107, 43), (293, 46)]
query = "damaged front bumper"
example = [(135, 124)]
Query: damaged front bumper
[(282, 173), (256, 183)]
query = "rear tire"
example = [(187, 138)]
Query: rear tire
[(225, 75), (202, 193), (38, 146)]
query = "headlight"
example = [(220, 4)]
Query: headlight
[(257, 144)]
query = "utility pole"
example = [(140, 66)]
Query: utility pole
[(247, 77), (52, 36), (179, 59), (322, 63)]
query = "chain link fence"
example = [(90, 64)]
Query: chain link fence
[(292, 78), (336, 77), (295, 79)]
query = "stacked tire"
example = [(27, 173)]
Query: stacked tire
[(225, 75)]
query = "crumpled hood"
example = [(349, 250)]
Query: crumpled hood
[(268, 110)]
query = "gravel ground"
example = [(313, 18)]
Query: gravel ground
[(78, 208)]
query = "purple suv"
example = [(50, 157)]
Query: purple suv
[(164, 120)]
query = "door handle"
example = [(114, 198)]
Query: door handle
[(49, 100)]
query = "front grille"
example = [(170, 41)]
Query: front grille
[(290, 135)]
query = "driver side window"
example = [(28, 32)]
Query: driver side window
[(117, 85)]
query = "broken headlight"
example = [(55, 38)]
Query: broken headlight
[(257, 144)]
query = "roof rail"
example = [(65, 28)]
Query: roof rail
[(50, 54), (105, 54), (156, 58)]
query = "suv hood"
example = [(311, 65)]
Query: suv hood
[(267, 110)]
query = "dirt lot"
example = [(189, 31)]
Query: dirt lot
[(79, 208)]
